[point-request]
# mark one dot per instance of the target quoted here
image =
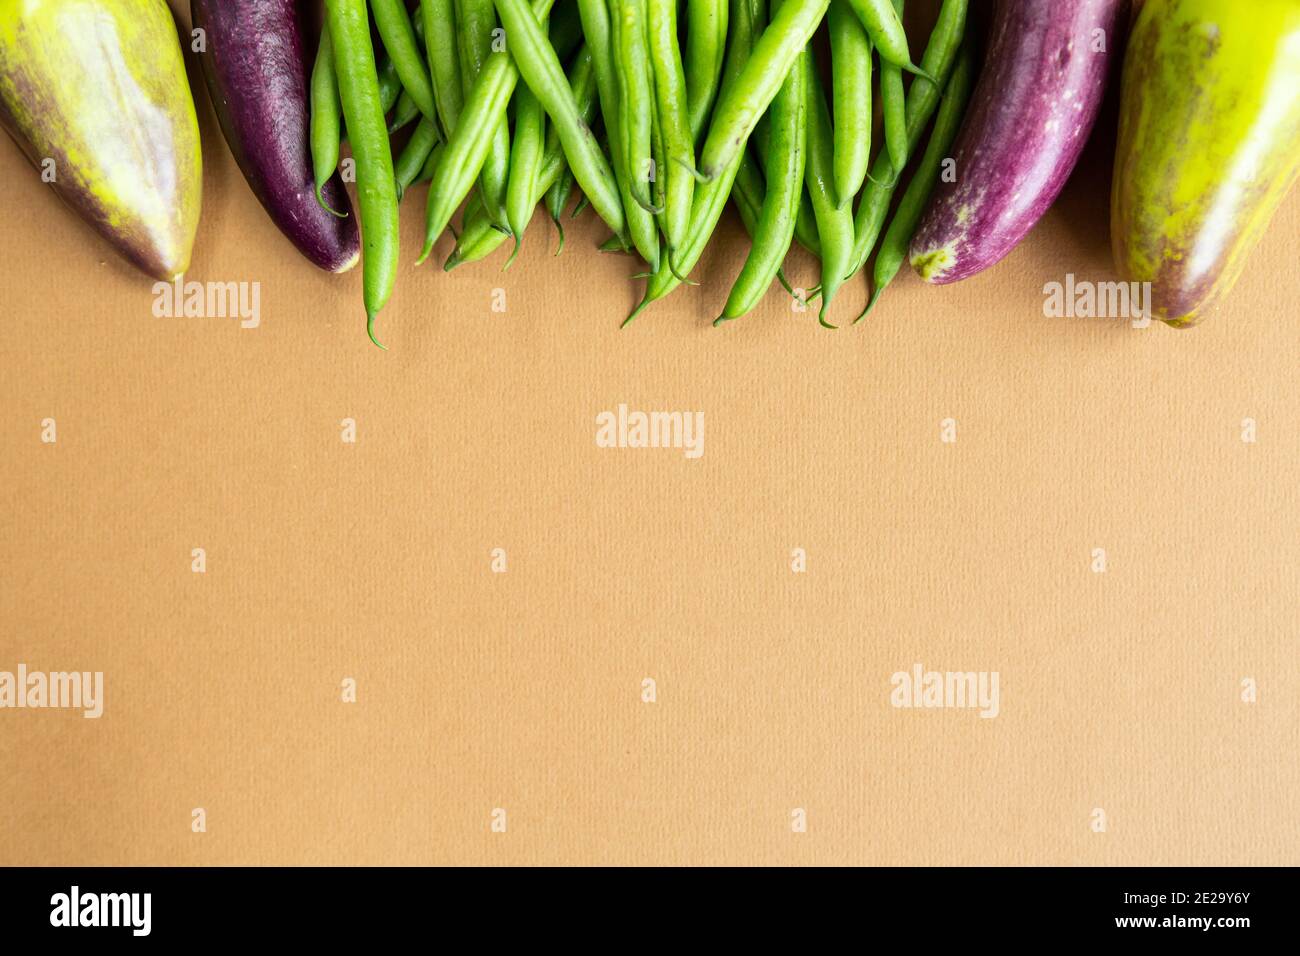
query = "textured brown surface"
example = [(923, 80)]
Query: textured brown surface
[(522, 690)]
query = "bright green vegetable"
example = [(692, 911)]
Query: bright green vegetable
[(635, 96), (439, 18), (404, 114), (476, 19), (673, 121), (744, 101), (834, 222), (414, 155), (326, 116), (398, 34), (525, 159), (478, 238), (358, 80), (710, 197), (894, 106), (467, 147), (851, 96), (774, 229), (898, 237), (545, 77), (883, 22), (557, 198), (922, 98), (706, 45)]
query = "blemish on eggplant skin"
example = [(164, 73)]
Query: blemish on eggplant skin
[(931, 265)]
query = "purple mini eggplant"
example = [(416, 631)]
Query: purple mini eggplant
[(256, 65), (1038, 96)]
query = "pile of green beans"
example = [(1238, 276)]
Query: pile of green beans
[(655, 114)]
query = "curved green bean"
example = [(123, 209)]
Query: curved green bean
[(525, 159), (740, 106), (326, 117), (390, 84), (599, 27), (475, 21), (851, 99), (710, 197), (478, 238), (414, 155), (541, 69), (894, 107), (439, 18), (805, 226), (376, 188), (467, 147), (834, 222), (883, 22), (635, 97), (706, 44), (922, 98), (893, 248), (673, 121), (774, 230), (404, 113), (557, 198), (398, 34), (893, 101)]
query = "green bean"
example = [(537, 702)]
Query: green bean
[(414, 155), (894, 106), (538, 65), (390, 89), (326, 117), (805, 226), (706, 44), (390, 84), (476, 19), (478, 238), (599, 27), (376, 188), (774, 231), (710, 197), (672, 121), (635, 96), (851, 96), (557, 198), (884, 24), (439, 18), (398, 34), (893, 248), (525, 158), (467, 147), (404, 113), (747, 192), (922, 98), (834, 222), (741, 105)]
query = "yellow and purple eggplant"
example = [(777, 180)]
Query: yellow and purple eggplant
[(1209, 145), (95, 94)]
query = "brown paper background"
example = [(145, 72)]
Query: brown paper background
[(522, 690)]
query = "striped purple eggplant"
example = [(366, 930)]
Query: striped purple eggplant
[(1042, 86), (256, 64)]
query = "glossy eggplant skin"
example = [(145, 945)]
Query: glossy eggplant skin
[(1209, 145), (256, 67), (1044, 79), (95, 92)]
